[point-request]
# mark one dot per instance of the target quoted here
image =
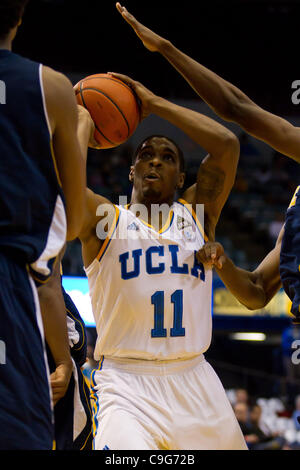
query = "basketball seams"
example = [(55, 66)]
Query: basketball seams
[(100, 77), (83, 102), (118, 110), (113, 102)]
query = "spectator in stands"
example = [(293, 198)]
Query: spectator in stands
[(260, 440), (241, 411), (241, 396), (255, 438)]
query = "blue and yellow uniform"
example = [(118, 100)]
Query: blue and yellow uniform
[(32, 233), (290, 254), (72, 413)]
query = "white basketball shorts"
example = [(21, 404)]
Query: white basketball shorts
[(141, 405)]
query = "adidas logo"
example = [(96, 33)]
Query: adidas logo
[(133, 226)]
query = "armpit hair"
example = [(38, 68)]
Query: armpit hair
[(210, 183)]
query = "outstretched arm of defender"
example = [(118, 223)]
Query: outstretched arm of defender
[(253, 289), (91, 239), (225, 99)]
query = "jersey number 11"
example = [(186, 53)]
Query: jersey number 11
[(157, 300)]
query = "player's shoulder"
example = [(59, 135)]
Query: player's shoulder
[(58, 79), (94, 200), (98, 208), (57, 87)]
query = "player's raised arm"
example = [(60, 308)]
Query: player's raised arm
[(217, 171), (98, 209), (253, 289), (63, 119), (225, 99)]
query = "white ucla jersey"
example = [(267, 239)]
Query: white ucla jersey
[(151, 298)]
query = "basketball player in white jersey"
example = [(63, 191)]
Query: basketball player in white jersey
[(151, 299)]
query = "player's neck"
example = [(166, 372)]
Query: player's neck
[(6, 43), (155, 218)]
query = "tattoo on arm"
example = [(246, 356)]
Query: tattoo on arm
[(210, 183)]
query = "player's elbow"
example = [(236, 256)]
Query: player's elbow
[(231, 145), (254, 305), (257, 300)]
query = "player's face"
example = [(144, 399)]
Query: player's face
[(156, 174)]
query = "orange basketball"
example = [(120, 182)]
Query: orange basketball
[(113, 107)]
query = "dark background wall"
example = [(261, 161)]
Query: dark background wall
[(254, 44)]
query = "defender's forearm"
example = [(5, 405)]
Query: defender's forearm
[(243, 285), (209, 134), (55, 325), (223, 97)]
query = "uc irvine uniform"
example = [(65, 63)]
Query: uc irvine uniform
[(32, 232), (152, 305), (72, 413), (290, 254)]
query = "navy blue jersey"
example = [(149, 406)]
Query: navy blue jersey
[(290, 254), (32, 213), (25, 407), (72, 413)]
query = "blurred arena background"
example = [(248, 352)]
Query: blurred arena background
[(253, 44)]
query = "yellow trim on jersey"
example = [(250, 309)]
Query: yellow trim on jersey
[(35, 278), (82, 448), (54, 445), (94, 398), (54, 163), (294, 198), (193, 214), (89, 406), (110, 234), (167, 225), (146, 223)]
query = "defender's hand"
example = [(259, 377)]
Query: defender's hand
[(59, 381), (212, 253), (145, 96), (150, 39)]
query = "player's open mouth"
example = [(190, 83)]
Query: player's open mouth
[(152, 177)]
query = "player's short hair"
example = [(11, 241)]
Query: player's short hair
[(180, 152), (10, 13)]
